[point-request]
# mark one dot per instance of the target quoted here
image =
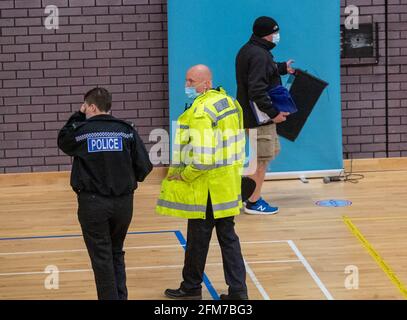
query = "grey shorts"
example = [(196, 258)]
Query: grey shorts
[(268, 143)]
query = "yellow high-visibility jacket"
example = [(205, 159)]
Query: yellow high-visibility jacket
[(209, 153)]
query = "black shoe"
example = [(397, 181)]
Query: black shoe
[(180, 294), (234, 296)]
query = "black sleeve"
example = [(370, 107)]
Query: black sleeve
[(258, 85), (141, 162), (66, 137), (282, 68)]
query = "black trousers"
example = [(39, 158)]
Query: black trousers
[(104, 222), (198, 238)]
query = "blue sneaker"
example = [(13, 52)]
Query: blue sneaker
[(260, 207)]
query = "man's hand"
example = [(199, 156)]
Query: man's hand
[(83, 108), (282, 116), (290, 70), (176, 176)]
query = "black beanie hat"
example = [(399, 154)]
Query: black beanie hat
[(263, 26)]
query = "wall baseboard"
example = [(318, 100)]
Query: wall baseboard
[(376, 164), (158, 173), (62, 177)]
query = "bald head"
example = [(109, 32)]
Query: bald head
[(200, 77)]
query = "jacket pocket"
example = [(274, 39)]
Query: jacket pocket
[(177, 191)]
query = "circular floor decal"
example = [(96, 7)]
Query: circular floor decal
[(333, 203)]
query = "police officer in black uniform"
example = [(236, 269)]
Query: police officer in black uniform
[(109, 160)]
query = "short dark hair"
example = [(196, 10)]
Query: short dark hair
[(99, 97)]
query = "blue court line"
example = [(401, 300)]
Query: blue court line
[(79, 235), (42, 237), (207, 282)]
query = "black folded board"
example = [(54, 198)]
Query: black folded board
[(305, 91)]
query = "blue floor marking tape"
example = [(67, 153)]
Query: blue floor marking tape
[(207, 282), (79, 235)]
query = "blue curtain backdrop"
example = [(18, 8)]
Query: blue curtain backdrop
[(211, 32)]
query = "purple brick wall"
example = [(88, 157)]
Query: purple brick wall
[(363, 88), (118, 44), (122, 45)]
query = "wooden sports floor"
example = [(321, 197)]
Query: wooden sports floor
[(303, 252)]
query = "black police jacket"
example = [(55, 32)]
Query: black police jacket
[(109, 156), (256, 73)]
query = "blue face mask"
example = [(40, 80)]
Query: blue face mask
[(191, 92), (276, 38)]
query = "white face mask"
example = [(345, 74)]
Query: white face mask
[(191, 91), (276, 38)]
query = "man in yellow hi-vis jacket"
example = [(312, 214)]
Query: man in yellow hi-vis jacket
[(204, 183)]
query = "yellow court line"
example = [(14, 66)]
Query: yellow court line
[(313, 221), (380, 218), (375, 255)]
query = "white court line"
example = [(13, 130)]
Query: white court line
[(310, 270), (138, 268), (290, 243), (256, 281), (126, 248), (82, 250), (265, 241), (38, 252), (274, 261)]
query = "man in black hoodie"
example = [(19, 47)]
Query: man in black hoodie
[(256, 73)]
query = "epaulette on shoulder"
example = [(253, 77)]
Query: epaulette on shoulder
[(129, 123), (199, 111), (77, 125)]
